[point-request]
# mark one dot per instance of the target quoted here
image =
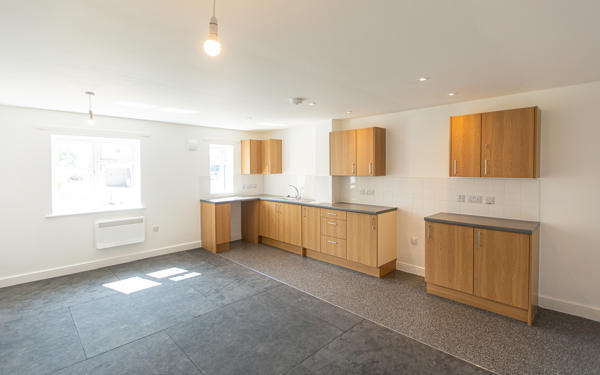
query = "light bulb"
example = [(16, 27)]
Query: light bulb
[(212, 47), (91, 119)]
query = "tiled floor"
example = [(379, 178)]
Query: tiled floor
[(227, 320), (556, 344)]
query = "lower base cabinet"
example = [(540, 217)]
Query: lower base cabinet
[(490, 269)]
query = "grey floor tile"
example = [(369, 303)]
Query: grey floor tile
[(153, 355), (113, 321), (29, 299), (333, 315), (258, 335), (371, 349), (193, 261), (557, 343), (39, 344)]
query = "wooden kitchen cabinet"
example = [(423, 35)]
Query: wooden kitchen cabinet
[(362, 238), (252, 156), (269, 219), (271, 156), (215, 226), (510, 143), (261, 156), (370, 152), (342, 153), (449, 256), (496, 144), (357, 152), (493, 269), (465, 145), (290, 224), (501, 267), (311, 228)]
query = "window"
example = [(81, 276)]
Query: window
[(221, 169), (94, 174)]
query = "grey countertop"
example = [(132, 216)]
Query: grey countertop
[(508, 225), (352, 207)]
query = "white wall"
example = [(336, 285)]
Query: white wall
[(305, 162), (174, 179), (565, 199)]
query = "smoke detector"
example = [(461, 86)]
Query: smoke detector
[(297, 101)]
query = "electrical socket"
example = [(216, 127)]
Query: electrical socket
[(156, 228), (475, 198), (460, 198), (490, 200), (371, 192)]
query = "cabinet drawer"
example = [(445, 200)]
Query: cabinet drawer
[(334, 214), (333, 246), (333, 227)]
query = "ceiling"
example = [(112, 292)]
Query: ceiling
[(143, 58)]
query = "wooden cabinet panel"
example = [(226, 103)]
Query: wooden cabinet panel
[(370, 152), (508, 143), (342, 153), (362, 238), (251, 156), (465, 145), (501, 266), (271, 156), (269, 219), (311, 228), (333, 214), (223, 223), (333, 227), (333, 246), (290, 223), (449, 256)]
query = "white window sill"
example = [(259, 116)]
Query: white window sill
[(50, 216)]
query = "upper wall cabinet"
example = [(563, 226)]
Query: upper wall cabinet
[(496, 144), (261, 156), (357, 152)]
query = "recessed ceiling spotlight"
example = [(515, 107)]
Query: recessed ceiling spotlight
[(312, 104), (423, 79), (348, 112), (451, 93)]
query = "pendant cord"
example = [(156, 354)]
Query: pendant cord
[(214, 6)]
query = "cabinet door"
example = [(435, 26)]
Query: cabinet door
[(370, 152), (508, 143), (271, 156), (269, 219), (501, 267), (465, 145), (449, 256), (311, 228), (342, 153), (362, 238), (251, 156), (290, 224)]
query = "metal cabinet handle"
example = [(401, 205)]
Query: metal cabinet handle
[(485, 167), (372, 223), (478, 239), (455, 167), (333, 242), (331, 213), (353, 168), (331, 223), (370, 168), (428, 231)]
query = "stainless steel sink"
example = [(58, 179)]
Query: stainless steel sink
[(298, 200)]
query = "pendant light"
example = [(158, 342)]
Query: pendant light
[(212, 47), (91, 119)]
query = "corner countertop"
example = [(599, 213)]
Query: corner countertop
[(507, 225), (351, 207)]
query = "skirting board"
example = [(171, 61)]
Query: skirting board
[(95, 264), (550, 303)]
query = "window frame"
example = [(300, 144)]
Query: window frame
[(96, 145), (233, 168)]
